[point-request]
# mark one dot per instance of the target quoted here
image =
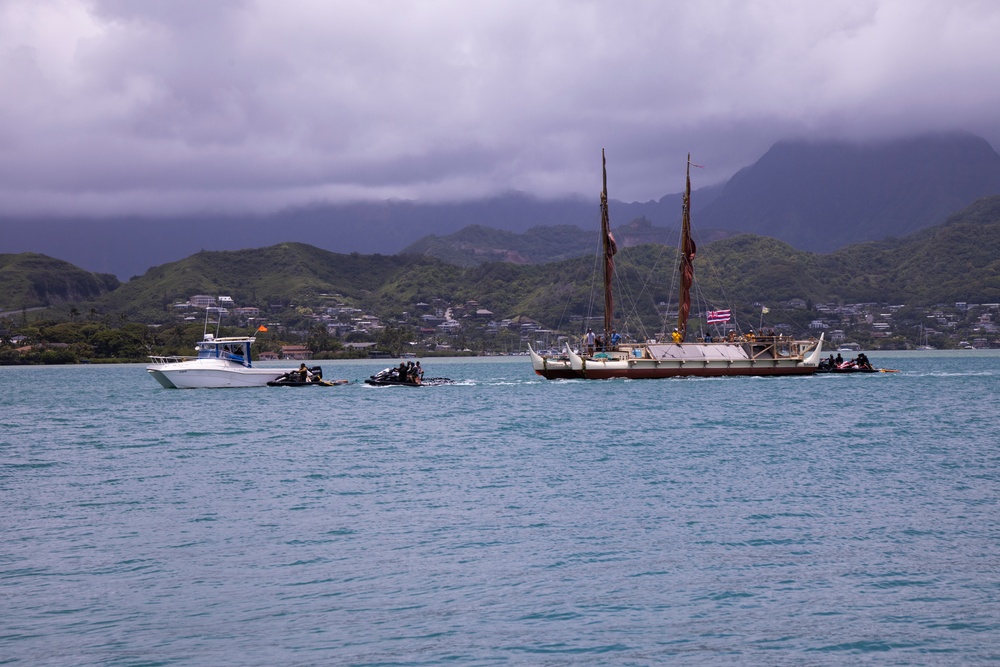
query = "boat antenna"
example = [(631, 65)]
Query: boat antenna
[(688, 250), (610, 248)]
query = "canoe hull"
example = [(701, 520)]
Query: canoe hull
[(673, 360)]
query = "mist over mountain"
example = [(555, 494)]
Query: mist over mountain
[(814, 196), (822, 196), (127, 246)]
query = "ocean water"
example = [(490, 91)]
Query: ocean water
[(503, 520)]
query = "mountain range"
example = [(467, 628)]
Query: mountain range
[(814, 196), (822, 196), (958, 260)]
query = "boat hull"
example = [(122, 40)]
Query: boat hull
[(638, 372), (851, 371), (659, 361), (316, 383), (552, 368), (426, 382), (389, 383), (210, 374)]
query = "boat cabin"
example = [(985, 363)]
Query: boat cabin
[(229, 349)]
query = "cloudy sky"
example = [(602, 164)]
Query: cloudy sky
[(165, 106)]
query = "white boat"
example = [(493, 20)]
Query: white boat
[(221, 362), (772, 355), (924, 345)]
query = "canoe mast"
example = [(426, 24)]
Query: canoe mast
[(688, 250), (610, 248), (687, 259)]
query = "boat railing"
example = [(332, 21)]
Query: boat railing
[(173, 359), (772, 347)]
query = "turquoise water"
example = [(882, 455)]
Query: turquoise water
[(504, 519)]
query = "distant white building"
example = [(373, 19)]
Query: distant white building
[(202, 301)]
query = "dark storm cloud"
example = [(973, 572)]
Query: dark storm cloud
[(119, 106)]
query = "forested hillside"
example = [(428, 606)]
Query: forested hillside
[(955, 261), (30, 280)]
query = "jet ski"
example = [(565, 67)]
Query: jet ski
[(312, 378), (858, 365), (390, 377)]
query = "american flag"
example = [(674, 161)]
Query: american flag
[(717, 316)]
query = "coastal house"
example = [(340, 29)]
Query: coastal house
[(202, 301), (296, 352)]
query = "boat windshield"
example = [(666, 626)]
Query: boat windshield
[(238, 351)]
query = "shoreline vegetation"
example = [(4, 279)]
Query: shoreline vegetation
[(42, 338)]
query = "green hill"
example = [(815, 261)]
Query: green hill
[(287, 274), (30, 280), (956, 261), (476, 244)]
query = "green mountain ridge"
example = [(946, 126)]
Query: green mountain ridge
[(476, 244), (287, 274), (32, 280), (955, 261)]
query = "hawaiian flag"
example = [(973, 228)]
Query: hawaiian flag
[(717, 316)]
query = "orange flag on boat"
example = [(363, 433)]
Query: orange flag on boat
[(262, 328)]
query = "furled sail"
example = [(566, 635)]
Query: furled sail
[(610, 248), (688, 250)]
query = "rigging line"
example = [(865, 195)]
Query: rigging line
[(705, 304), (644, 291), (674, 278), (626, 297), (644, 287), (598, 258), (568, 301), (635, 299), (775, 310), (633, 312), (714, 274), (737, 296), (662, 316), (626, 302)]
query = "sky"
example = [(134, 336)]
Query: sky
[(160, 107)]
